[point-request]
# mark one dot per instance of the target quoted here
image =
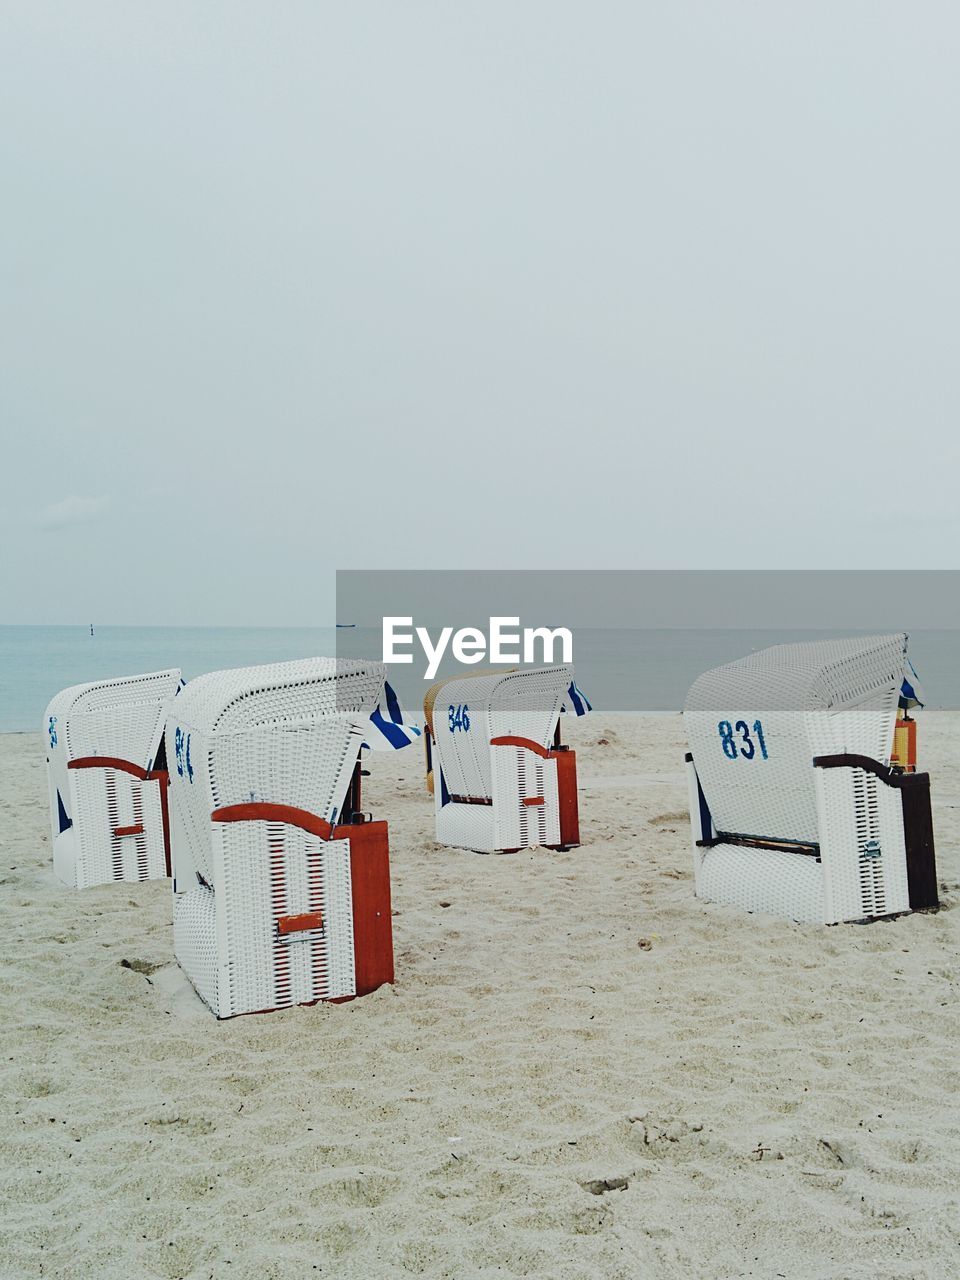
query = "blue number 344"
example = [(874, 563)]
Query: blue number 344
[(181, 743), (746, 747)]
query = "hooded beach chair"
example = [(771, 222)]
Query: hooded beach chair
[(500, 778), (107, 779), (281, 885), (795, 807)]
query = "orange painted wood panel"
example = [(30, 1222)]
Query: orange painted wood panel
[(370, 890), (567, 789), (261, 811), (296, 924)]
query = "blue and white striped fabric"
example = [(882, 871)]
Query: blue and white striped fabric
[(389, 729), (575, 700), (911, 691)]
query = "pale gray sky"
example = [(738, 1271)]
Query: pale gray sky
[(292, 287)]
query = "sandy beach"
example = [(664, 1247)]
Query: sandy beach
[(581, 1071)]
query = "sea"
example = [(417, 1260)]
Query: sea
[(618, 669)]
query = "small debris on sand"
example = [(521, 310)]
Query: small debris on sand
[(600, 1186), (146, 967)]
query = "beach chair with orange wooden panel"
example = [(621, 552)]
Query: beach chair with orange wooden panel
[(281, 880), (501, 778), (107, 779), (805, 802)]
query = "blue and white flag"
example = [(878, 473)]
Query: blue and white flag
[(911, 692), (389, 729), (575, 700)]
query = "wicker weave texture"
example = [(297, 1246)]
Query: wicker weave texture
[(467, 713), (467, 826), (782, 884), (436, 691), (808, 699), (307, 689), (754, 728), (861, 846), (123, 719), (108, 800), (526, 802), (287, 733), (519, 775), (196, 942), (307, 766), (228, 941), (524, 704), (811, 675)]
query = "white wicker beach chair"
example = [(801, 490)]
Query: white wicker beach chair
[(500, 778), (281, 888), (794, 806), (107, 779)]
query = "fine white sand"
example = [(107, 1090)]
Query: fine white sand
[(773, 1100)]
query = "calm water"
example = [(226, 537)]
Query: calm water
[(36, 662), (619, 670)]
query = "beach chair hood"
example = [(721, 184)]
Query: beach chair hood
[(103, 743), (755, 725), (286, 733)]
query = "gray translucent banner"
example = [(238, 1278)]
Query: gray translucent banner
[(640, 638)]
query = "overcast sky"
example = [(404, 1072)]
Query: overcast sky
[(293, 287)]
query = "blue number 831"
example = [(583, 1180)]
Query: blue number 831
[(747, 747)]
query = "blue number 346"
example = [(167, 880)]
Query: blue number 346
[(747, 747), (458, 717)]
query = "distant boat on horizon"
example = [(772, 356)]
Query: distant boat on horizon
[(91, 628), (342, 626)]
